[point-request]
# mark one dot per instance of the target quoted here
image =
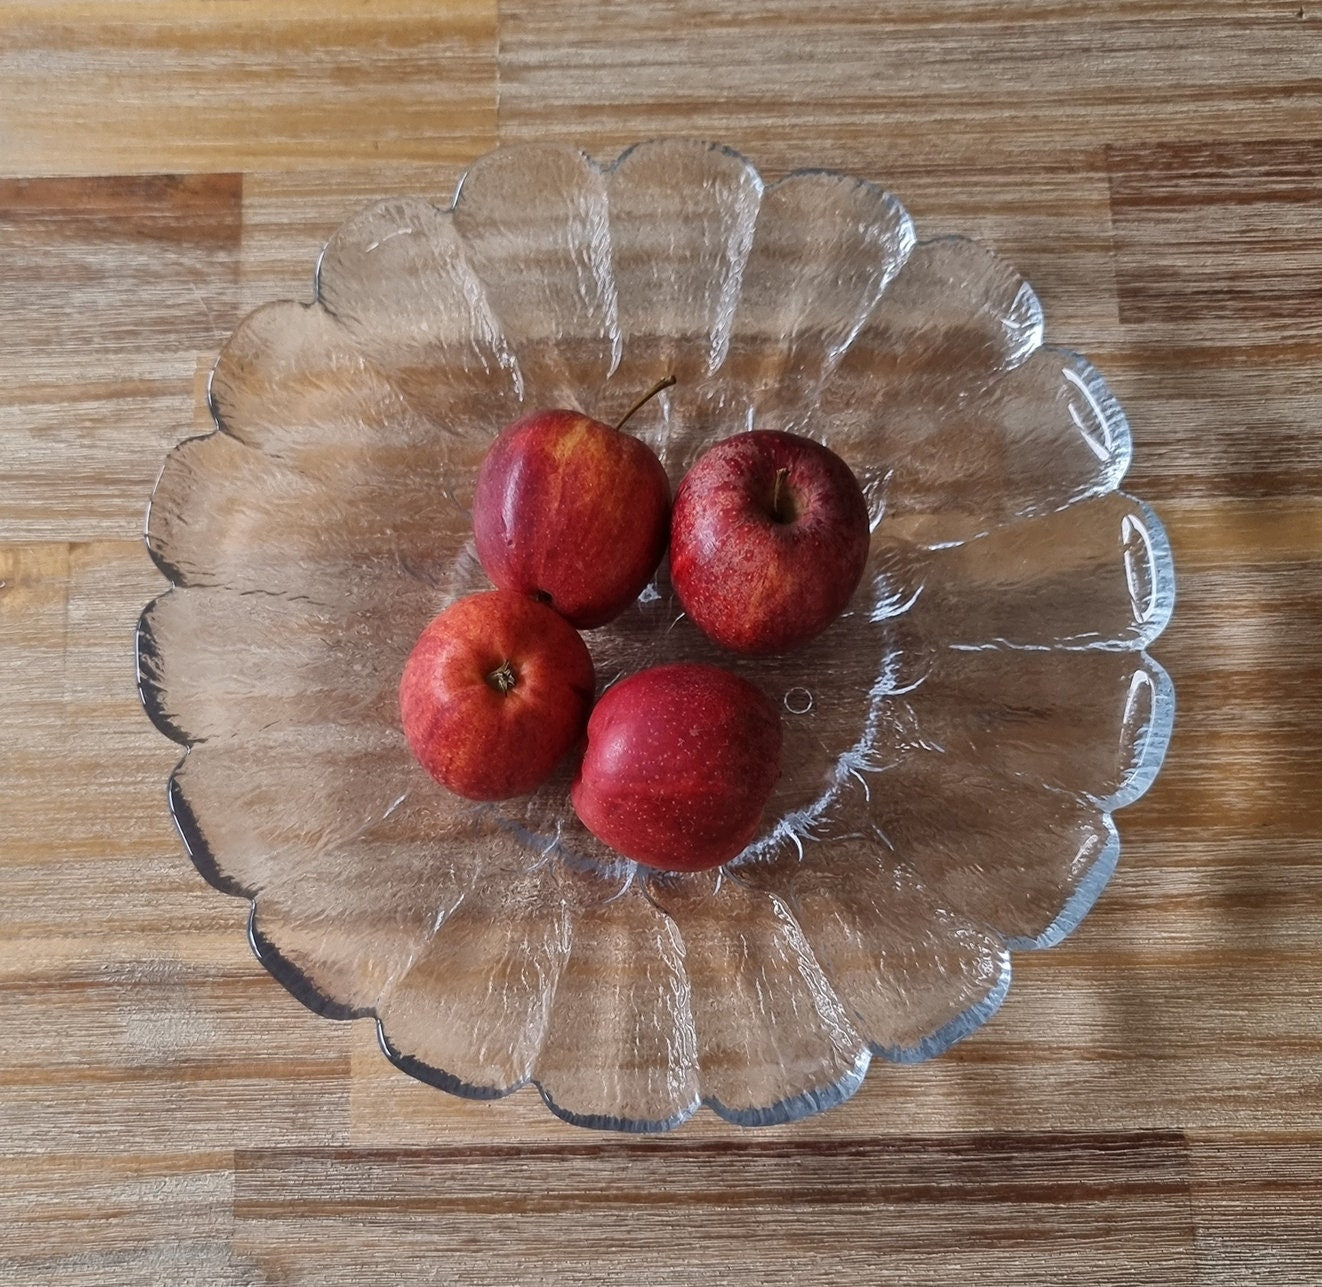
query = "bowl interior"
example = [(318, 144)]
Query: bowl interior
[(955, 743)]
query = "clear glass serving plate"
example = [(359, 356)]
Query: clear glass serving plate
[(955, 745)]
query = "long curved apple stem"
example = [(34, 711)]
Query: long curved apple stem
[(647, 397), (776, 512)]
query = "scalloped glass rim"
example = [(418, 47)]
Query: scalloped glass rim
[(1147, 760)]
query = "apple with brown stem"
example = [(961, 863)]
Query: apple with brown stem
[(768, 540), (495, 692), (572, 512)]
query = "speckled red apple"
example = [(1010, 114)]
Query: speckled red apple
[(573, 513), (768, 540), (495, 692), (679, 765)]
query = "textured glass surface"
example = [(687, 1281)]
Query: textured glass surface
[(955, 744)]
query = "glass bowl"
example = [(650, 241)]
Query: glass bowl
[(955, 744)]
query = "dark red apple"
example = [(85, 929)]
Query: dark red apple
[(494, 693), (573, 513), (680, 763), (768, 540)]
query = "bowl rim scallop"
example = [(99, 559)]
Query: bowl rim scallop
[(1141, 776)]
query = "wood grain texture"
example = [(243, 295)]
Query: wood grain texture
[(1146, 1108), (876, 1209), (113, 287), (1259, 1205), (208, 85), (1185, 214), (909, 80)]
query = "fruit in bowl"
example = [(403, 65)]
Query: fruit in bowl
[(629, 1007), (572, 512), (768, 540), (679, 765), (495, 692)]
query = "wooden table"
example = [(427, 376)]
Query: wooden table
[(1147, 1107)]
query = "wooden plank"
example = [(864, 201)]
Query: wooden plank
[(112, 286), (1218, 415), (844, 82), (1220, 232), (883, 1210), (90, 88), (1257, 1205), (144, 1217)]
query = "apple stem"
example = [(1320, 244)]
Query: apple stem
[(503, 678), (647, 397), (776, 512)]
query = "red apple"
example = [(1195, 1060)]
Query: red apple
[(680, 763), (768, 540), (573, 513), (494, 693)]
